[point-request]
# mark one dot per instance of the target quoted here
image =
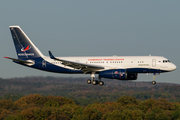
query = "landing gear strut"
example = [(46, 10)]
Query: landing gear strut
[(154, 76), (95, 82)]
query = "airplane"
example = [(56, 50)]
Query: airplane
[(111, 67)]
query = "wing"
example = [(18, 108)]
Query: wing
[(76, 65)]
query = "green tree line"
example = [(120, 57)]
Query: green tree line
[(40, 107), (83, 94)]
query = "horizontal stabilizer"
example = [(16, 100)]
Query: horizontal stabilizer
[(28, 62)]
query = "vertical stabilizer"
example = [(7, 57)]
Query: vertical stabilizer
[(24, 46)]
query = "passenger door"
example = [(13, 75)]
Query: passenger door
[(153, 62)]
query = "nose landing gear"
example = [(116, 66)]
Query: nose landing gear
[(153, 82), (154, 76)]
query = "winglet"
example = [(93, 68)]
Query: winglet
[(51, 55)]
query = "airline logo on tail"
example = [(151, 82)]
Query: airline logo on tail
[(116, 72), (26, 49)]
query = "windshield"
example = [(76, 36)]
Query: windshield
[(166, 61)]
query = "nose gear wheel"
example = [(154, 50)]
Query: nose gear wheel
[(153, 82)]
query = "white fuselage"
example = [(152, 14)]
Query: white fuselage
[(120, 62)]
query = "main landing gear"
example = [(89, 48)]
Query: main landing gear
[(95, 82)]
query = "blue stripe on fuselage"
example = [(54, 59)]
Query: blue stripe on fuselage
[(50, 67), (144, 70)]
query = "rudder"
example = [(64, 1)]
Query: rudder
[(24, 46)]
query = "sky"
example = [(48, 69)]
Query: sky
[(92, 28)]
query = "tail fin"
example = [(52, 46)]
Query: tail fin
[(24, 46)]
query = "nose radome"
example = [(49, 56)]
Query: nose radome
[(174, 67)]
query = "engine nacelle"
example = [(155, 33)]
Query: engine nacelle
[(120, 74)]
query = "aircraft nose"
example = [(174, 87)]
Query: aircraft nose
[(173, 67)]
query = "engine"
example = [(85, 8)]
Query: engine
[(119, 74)]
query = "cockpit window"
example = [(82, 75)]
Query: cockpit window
[(166, 61)]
